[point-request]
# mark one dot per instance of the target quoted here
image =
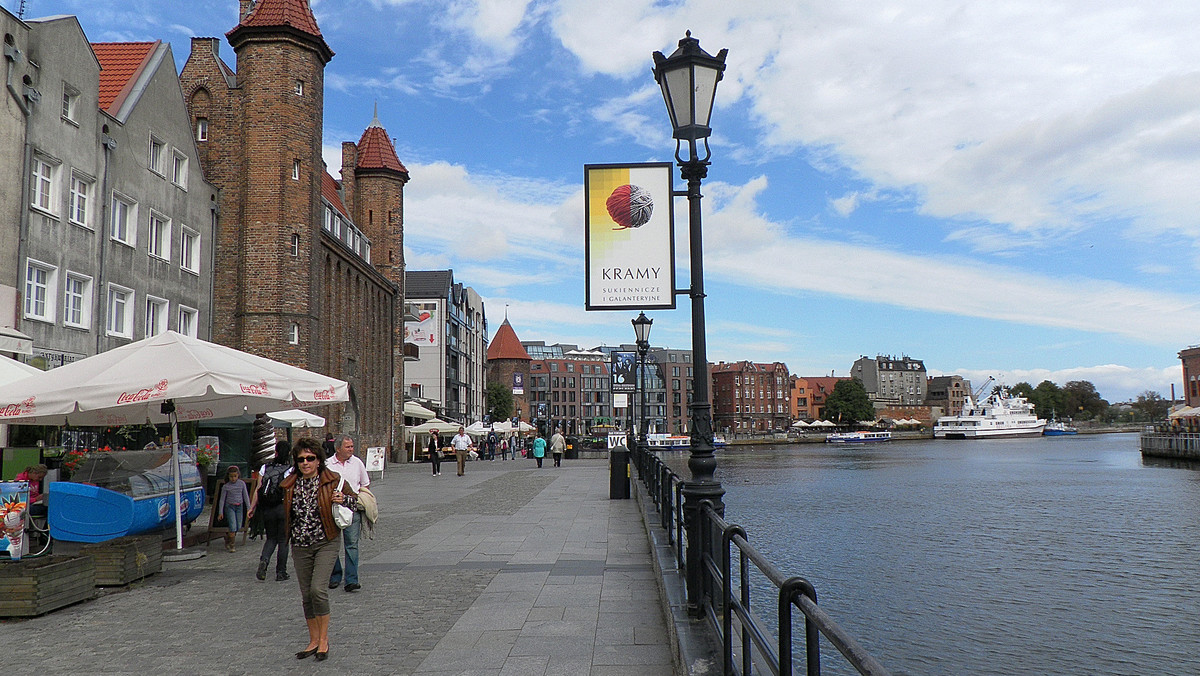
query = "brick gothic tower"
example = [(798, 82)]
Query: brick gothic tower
[(373, 182)]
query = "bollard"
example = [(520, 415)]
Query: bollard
[(618, 473)]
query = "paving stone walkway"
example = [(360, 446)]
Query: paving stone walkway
[(507, 571)]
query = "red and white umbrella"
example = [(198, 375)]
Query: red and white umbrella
[(196, 379)]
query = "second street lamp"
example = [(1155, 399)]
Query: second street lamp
[(641, 329), (688, 78)]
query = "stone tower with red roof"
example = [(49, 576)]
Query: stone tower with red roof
[(508, 363), (308, 271)]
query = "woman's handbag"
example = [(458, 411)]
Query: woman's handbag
[(343, 516)]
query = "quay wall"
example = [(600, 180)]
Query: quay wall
[(1184, 445)]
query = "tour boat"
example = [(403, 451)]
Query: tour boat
[(1058, 428), (858, 437), (677, 442), (997, 416)]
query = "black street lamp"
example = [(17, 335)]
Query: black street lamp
[(688, 78), (641, 329)]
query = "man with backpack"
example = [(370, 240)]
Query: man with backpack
[(267, 501)]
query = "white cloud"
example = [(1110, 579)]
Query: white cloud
[(740, 240)]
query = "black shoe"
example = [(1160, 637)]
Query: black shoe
[(306, 653), (353, 587), (322, 655), (334, 585), (281, 576), (261, 573)]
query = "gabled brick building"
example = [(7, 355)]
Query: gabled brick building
[(751, 397), (309, 271), (809, 395)]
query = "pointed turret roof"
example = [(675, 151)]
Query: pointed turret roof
[(375, 149), (506, 345), (292, 16)]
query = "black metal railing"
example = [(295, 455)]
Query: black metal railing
[(747, 644)]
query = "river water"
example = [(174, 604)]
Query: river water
[(1057, 555)]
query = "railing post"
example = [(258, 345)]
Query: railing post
[(812, 645), (727, 596)]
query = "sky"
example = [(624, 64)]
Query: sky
[(998, 189)]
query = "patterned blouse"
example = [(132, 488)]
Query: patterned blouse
[(306, 519)]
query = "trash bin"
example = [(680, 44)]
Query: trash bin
[(618, 473), (573, 448)]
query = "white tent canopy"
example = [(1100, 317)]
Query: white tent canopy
[(12, 370), (429, 426), (799, 423)]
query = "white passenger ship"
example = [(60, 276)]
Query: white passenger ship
[(997, 416)]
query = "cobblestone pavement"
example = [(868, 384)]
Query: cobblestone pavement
[(507, 571)]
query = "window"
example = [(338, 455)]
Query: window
[(179, 170), (295, 170), (158, 151), (294, 334), (77, 207), (40, 289), (42, 184), (187, 321), (295, 249), (124, 216), (189, 251), (77, 301), (201, 128), (156, 316), (299, 89), (159, 245), (120, 311), (70, 103)]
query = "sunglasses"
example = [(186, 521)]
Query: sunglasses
[(306, 458)]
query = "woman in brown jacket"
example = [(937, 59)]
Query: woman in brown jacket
[(309, 494)]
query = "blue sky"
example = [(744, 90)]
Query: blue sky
[(1002, 189)]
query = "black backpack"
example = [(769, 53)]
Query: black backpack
[(270, 493)]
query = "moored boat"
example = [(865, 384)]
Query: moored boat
[(678, 442), (858, 437), (1058, 428), (997, 416)]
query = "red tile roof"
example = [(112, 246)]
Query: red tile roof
[(294, 13), (375, 150), (506, 345), (329, 190), (120, 65)]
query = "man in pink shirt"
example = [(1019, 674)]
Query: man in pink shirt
[(353, 470)]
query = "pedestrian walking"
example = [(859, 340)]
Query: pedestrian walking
[(328, 448), (310, 492), (234, 498), (492, 440), (462, 445), (504, 449), (539, 450), (354, 471), (435, 452), (558, 446), (267, 503)]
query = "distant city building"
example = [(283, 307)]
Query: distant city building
[(106, 220), (508, 364), (751, 397), (452, 336), (808, 396), (947, 393), (891, 380), (569, 387), (1190, 360)]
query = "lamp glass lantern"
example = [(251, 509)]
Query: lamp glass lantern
[(641, 328), (688, 79)]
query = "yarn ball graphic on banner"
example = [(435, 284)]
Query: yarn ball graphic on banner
[(630, 206)]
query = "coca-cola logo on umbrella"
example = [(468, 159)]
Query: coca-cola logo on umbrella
[(17, 410)]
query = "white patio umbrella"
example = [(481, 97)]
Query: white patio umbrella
[(431, 425), (414, 410), (295, 418), (161, 380), (12, 370), (799, 423)]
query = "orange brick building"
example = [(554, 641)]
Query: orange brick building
[(808, 396), (308, 271)]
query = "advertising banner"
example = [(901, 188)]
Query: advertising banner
[(14, 505), (624, 371), (424, 331), (629, 236), (518, 383)]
